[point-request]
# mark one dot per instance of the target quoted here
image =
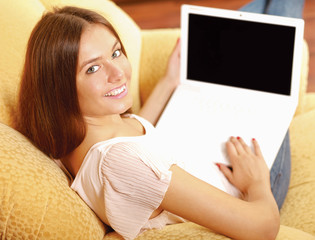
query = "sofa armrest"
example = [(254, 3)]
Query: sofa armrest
[(289, 233), (157, 45), (193, 231), (309, 102), (299, 206), (303, 80)]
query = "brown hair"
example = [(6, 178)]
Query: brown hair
[(48, 106)]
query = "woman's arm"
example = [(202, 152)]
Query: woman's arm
[(256, 216), (154, 106)]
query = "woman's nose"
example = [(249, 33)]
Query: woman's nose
[(114, 73)]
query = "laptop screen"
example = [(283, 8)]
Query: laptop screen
[(243, 54)]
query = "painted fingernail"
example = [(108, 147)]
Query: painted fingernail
[(238, 138), (218, 165), (253, 139)]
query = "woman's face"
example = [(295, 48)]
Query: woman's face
[(103, 74)]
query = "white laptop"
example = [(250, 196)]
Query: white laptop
[(239, 77)]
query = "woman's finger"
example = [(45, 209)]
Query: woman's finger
[(245, 146), (226, 172), (238, 146), (257, 148), (231, 151)]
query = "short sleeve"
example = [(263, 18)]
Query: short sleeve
[(133, 190)]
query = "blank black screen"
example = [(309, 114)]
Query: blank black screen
[(240, 53)]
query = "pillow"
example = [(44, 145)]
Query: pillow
[(35, 198), (126, 28), (16, 23)]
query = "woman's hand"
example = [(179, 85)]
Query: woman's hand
[(250, 171), (172, 75), (154, 105)]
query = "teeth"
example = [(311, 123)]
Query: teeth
[(116, 92)]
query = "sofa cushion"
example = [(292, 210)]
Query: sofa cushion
[(17, 20), (302, 104), (126, 28), (193, 231), (157, 46), (301, 196), (35, 198)]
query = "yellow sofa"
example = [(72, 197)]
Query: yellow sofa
[(36, 201)]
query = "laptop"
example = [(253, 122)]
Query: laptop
[(240, 76)]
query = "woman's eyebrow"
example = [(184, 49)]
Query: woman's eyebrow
[(115, 44), (89, 61)]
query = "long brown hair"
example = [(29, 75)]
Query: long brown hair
[(48, 107)]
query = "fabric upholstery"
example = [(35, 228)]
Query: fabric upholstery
[(309, 102), (17, 20), (156, 48), (301, 196), (36, 201), (191, 231), (303, 81)]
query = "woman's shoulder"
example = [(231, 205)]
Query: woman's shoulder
[(139, 122), (136, 124), (97, 151), (100, 144)]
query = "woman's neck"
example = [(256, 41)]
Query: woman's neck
[(97, 129), (102, 121), (101, 129)]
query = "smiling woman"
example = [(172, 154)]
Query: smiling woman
[(103, 79), (74, 94), (48, 96)]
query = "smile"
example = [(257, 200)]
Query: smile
[(116, 92)]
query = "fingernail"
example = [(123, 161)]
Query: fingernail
[(238, 138), (253, 139), (218, 165)]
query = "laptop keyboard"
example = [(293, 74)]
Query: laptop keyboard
[(201, 103)]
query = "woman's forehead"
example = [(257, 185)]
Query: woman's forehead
[(96, 38), (97, 32)]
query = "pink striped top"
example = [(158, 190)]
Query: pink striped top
[(124, 179)]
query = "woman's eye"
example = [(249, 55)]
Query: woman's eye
[(116, 54), (93, 69)]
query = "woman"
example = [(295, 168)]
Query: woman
[(74, 92)]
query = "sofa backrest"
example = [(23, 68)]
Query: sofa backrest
[(17, 20)]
